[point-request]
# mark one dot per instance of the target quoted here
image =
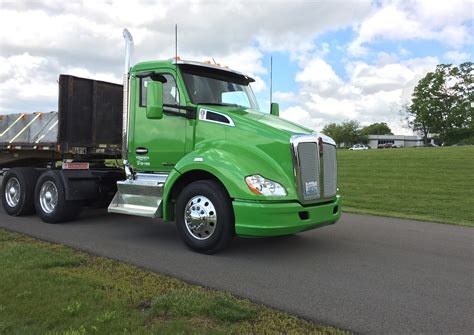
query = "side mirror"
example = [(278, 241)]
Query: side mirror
[(154, 100), (275, 109)]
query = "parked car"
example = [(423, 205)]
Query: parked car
[(359, 147)]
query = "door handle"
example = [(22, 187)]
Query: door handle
[(141, 151)]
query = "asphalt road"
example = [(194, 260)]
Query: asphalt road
[(366, 274)]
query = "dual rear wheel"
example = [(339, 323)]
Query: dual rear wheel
[(27, 190)]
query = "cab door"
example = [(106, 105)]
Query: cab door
[(158, 144)]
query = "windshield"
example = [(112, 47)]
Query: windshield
[(211, 91)]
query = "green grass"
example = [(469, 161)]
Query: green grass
[(433, 184), (51, 289)]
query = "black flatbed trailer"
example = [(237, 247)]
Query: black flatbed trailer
[(69, 149), (87, 126)]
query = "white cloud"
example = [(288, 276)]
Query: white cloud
[(442, 21), (91, 29), (319, 76), (23, 82), (388, 77), (85, 73), (285, 96), (372, 93), (456, 56), (85, 37), (299, 115)]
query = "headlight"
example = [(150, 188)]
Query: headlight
[(262, 186)]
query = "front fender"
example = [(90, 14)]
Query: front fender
[(230, 164)]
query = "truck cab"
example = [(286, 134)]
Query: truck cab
[(224, 167)]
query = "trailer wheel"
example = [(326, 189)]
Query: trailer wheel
[(50, 199), (204, 216), (18, 187)]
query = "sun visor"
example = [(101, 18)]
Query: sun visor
[(212, 71)]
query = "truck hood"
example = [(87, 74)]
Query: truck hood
[(275, 122), (251, 118)]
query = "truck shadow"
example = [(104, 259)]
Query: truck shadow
[(292, 245), (165, 234)]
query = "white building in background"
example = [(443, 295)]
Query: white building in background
[(400, 141)]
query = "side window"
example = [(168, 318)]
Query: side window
[(170, 92)]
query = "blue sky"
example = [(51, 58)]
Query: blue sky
[(333, 60), (285, 68)]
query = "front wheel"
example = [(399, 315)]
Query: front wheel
[(204, 216)]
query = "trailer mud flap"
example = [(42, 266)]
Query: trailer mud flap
[(80, 185)]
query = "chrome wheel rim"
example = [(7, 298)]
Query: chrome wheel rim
[(200, 217), (12, 192), (48, 197)]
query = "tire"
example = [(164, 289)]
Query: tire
[(50, 199), (18, 188), (205, 217)]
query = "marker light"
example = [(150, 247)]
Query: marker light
[(262, 186)]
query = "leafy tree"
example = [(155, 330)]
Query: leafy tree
[(348, 132), (335, 131), (377, 129), (441, 103)]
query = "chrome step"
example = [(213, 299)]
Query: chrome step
[(141, 196)]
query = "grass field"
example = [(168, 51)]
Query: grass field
[(51, 289), (434, 184)]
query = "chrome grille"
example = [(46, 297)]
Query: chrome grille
[(329, 170), (309, 170), (315, 174)]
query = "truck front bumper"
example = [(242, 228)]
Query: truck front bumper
[(259, 219)]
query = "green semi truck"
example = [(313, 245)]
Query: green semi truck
[(194, 148)]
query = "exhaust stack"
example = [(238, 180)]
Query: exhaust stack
[(128, 57)]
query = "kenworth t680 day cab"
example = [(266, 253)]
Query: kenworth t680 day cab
[(194, 149)]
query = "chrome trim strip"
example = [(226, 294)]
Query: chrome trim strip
[(158, 178), (126, 111)]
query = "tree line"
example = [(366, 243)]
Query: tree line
[(351, 132)]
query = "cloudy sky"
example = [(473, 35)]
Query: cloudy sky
[(333, 60)]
